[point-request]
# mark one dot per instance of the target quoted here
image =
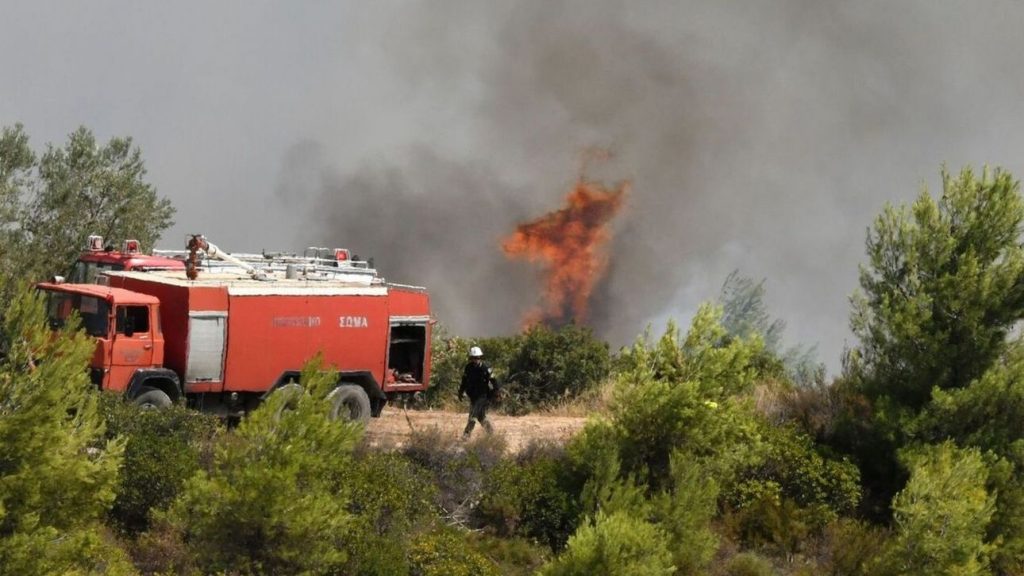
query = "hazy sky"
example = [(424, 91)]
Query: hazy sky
[(760, 136)]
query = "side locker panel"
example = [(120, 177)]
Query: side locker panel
[(207, 335)]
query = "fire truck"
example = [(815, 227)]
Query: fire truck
[(98, 258), (315, 262), (223, 339)]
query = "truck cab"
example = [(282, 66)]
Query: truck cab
[(98, 258), (129, 350)]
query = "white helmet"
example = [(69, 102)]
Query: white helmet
[(476, 352)]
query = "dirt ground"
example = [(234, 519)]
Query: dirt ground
[(395, 425)]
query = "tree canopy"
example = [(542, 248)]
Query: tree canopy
[(943, 286), (50, 203)]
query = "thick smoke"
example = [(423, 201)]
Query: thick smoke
[(758, 137), (558, 79), (426, 221)]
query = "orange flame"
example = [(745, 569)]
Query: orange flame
[(569, 243)]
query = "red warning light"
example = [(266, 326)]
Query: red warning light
[(340, 254), (131, 246)]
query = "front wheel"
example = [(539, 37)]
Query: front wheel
[(350, 403), (150, 398)]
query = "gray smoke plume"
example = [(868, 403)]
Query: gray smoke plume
[(759, 136), (762, 137), (427, 221), (554, 80)]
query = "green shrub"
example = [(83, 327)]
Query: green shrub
[(941, 515), (536, 368), (448, 355), (533, 496), (721, 365), (275, 500), (619, 543), (552, 364), (786, 466), (1006, 530), (164, 448), (773, 524), (654, 418), (780, 486), (46, 550), (446, 552), (748, 564), (852, 547), (594, 454), (499, 352), (783, 492), (682, 511), (987, 415), (513, 556), (163, 549), (685, 511), (390, 497), (456, 469), (685, 394)]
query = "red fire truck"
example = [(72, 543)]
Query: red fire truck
[(98, 258), (225, 340)]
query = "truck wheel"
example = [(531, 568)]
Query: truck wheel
[(291, 392), (350, 403), (150, 398)]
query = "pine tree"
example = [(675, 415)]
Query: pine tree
[(57, 473), (941, 515), (943, 287), (987, 415), (275, 500)]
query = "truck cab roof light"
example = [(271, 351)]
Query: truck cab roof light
[(95, 243)]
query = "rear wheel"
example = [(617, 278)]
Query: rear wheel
[(150, 398), (350, 403), (290, 393)]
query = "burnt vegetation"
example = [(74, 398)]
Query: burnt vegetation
[(715, 450)]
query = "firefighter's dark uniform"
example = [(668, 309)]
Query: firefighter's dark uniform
[(479, 384)]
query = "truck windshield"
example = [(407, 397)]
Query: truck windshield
[(86, 272), (95, 312)]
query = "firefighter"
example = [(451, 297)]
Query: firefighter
[(479, 383)]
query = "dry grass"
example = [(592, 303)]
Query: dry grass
[(596, 400), (395, 428)]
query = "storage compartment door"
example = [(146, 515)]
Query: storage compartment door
[(207, 333), (407, 352)]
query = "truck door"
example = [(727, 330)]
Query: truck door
[(133, 344), (95, 314), (407, 352)]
